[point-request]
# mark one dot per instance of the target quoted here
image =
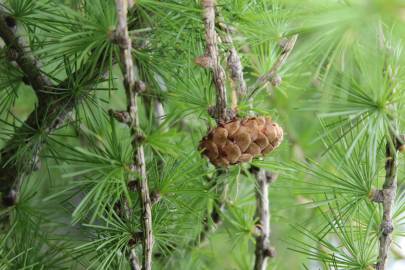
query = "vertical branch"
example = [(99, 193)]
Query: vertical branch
[(389, 190), (388, 197), (264, 179), (132, 89), (11, 176), (49, 114), (263, 249), (212, 60), (134, 261), (220, 112), (234, 64), (17, 51)]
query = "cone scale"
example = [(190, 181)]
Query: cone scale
[(241, 140)]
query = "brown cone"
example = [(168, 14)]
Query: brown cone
[(240, 140)]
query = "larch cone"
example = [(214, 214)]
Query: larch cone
[(241, 140)]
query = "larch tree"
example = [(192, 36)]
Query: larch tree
[(202, 134)]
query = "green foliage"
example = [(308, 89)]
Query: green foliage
[(339, 95)]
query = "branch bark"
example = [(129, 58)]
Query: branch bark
[(263, 249), (134, 261), (394, 142), (389, 193), (287, 45), (17, 51), (212, 60), (234, 64), (51, 112), (132, 90), (264, 179)]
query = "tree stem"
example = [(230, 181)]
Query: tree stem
[(134, 261), (263, 249), (132, 90), (394, 141), (221, 113), (50, 113), (263, 178), (287, 46), (234, 64), (17, 52), (389, 193)]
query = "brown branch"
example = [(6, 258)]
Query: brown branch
[(50, 113), (234, 64), (17, 51), (263, 249), (376, 195), (212, 60), (391, 169), (132, 90), (287, 45), (134, 261), (389, 193)]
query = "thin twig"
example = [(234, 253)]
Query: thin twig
[(212, 60), (263, 249), (239, 90), (234, 64), (17, 51), (272, 76), (220, 113), (134, 261), (264, 179), (10, 179), (50, 113), (389, 193), (132, 90), (391, 170)]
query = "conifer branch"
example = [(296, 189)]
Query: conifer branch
[(17, 51), (212, 60), (263, 249), (234, 64), (263, 178), (49, 114), (239, 90), (391, 170), (10, 179), (138, 167), (134, 261), (389, 193), (287, 45)]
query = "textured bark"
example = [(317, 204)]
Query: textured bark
[(394, 142), (272, 76), (132, 89), (263, 249), (51, 111), (212, 60), (17, 51), (234, 64), (134, 261), (263, 178), (389, 193)]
